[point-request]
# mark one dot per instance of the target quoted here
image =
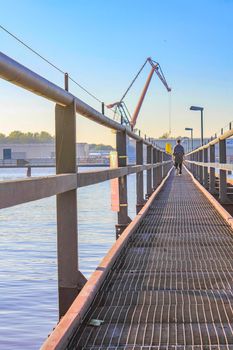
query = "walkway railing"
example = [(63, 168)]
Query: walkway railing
[(67, 180), (202, 163)]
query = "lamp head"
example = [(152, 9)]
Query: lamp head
[(196, 108)]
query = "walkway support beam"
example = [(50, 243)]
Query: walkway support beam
[(222, 173), (70, 280), (139, 177), (123, 219)]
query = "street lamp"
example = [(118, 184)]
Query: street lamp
[(185, 138), (190, 129), (195, 108)]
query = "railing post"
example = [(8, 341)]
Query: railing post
[(165, 165), (212, 170), (200, 170), (222, 173), (194, 165), (162, 166), (205, 169), (192, 158), (102, 108), (155, 171), (159, 155), (139, 176), (123, 219), (190, 166), (70, 280), (148, 173)]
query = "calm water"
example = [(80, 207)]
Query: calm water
[(28, 271)]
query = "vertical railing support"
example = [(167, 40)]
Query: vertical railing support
[(212, 170), (70, 280), (66, 81), (195, 166), (200, 168), (191, 158), (102, 108), (155, 170), (205, 169), (123, 219), (139, 176), (159, 172), (222, 173), (162, 166), (149, 172)]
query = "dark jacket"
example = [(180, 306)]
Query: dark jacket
[(178, 153)]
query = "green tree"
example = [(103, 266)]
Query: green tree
[(15, 136), (166, 135), (100, 147), (45, 137), (2, 138)]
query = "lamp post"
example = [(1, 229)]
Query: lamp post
[(187, 140), (190, 129), (195, 108)]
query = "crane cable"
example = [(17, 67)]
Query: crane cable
[(170, 113), (49, 62), (133, 81)]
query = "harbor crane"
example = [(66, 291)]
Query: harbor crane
[(120, 106)]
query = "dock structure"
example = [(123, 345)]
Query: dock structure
[(167, 282)]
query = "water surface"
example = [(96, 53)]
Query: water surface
[(28, 268)]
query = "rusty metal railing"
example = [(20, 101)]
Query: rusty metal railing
[(203, 165), (65, 184)]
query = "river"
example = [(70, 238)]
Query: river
[(28, 267)]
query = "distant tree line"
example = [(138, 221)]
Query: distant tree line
[(42, 137), (26, 137), (167, 135), (100, 147)]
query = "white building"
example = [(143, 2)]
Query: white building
[(36, 151), (185, 141)]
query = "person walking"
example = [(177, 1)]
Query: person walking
[(178, 153)]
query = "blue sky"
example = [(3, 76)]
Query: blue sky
[(102, 44)]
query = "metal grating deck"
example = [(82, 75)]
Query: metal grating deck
[(172, 287)]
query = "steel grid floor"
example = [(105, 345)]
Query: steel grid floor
[(172, 287)]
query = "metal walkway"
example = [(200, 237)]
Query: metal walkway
[(172, 287)]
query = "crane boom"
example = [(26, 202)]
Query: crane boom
[(155, 68), (120, 106), (140, 102)]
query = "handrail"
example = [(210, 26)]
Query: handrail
[(20, 75), (65, 184), (202, 163), (14, 192), (222, 166), (213, 142)]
